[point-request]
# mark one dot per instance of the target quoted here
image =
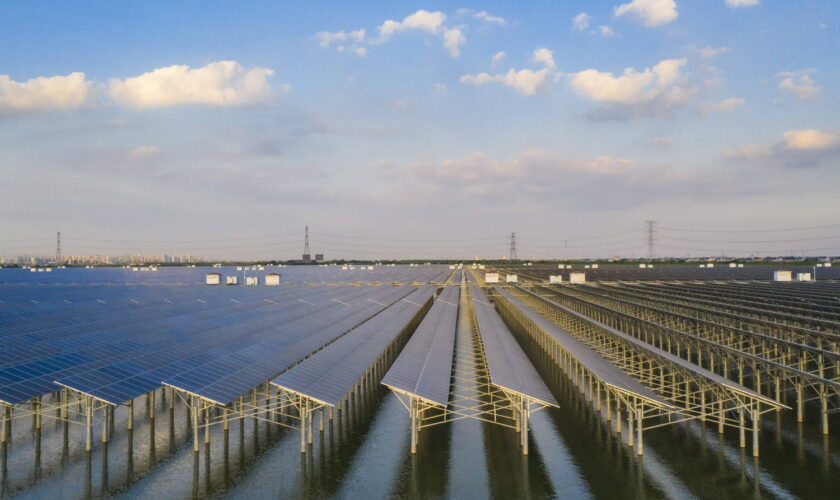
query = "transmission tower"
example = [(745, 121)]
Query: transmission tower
[(513, 246), (306, 254), (58, 248), (651, 239)]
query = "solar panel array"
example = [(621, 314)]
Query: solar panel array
[(330, 374), (118, 340), (673, 359), (670, 272), (224, 378), (168, 276), (200, 342), (586, 356), (507, 364), (424, 366)]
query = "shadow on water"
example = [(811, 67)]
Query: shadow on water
[(512, 474), (426, 474)]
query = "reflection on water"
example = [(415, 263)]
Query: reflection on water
[(363, 453)]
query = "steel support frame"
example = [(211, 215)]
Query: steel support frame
[(736, 356), (692, 395)]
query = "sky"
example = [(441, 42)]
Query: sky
[(432, 129)]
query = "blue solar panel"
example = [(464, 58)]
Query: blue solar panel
[(329, 374), (289, 344), (58, 325)]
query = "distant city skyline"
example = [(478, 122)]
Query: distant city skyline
[(420, 129)]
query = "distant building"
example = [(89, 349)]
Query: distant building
[(306, 257), (319, 257)]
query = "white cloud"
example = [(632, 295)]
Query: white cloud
[(430, 22), (545, 57), (541, 176), (581, 21), (497, 57), (709, 52), (144, 152), (326, 38), (742, 3), (649, 12), (223, 83), (360, 51), (654, 91), (799, 147), (440, 87), (799, 84), (524, 81), (484, 16), (421, 20), (810, 140), (452, 41), (604, 31), (724, 106), (45, 93)]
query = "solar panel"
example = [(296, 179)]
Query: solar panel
[(665, 354), (330, 374), (507, 364), (288, 345), (600, 367), (62, 324), (424, 365), (142, 370), (39, 365)]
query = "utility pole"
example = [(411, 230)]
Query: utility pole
[(651, 240), (58, 248), (513, 247), (306, 255)]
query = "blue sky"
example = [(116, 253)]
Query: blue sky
[(153, 124)]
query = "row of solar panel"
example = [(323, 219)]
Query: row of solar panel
[(507, 365), (182, 336), (102, 346), (331, 373), (591, 360), (662, 354), (287, 345), (424, 366)]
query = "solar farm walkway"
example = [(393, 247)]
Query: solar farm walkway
[(463, 362)]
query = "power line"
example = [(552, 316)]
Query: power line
[(749, 230), (752, 241)]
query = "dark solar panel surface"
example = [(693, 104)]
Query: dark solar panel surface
[(142, 370), (85, 325), (330, 374), (225, 379), (424, 366), (507, 364)]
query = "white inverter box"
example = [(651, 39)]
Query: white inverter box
[(577, 278)]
